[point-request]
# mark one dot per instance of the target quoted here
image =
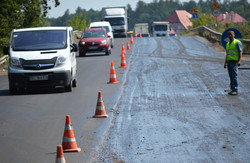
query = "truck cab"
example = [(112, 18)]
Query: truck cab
[(160, 29), (117, 17)]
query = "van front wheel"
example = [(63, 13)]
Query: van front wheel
[(68, 88), (82, 54), (12, 89), (74, 83)]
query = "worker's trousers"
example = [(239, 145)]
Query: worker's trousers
[(232, 67)]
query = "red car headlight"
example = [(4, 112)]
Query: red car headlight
[(82, 43), (104, 42)]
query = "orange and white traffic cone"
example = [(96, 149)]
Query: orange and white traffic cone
[(131, 39), (123, 47), (123, 52), (140, 34), (59, 155), (112, 79), (135, 34), (100, 109), (128, 46), (69, 141), (123, 61)]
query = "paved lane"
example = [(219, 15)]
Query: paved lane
[(174, 108), (32, 124)]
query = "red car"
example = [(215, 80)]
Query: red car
[(94, 40)]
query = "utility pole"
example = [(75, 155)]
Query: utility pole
[(232, 14)]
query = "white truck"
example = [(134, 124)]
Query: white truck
[(160, 29), (142, 28), (117, 17)]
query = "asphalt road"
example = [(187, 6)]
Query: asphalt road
[(174, 108), (170, 106), (32, 124)]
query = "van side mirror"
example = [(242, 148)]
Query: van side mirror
[(74, 47), (6, 50)]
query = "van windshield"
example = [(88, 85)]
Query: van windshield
[(161, 27), (115, 21), (105, 27), (39, 40)]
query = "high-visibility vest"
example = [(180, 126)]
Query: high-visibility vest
[(232, 51)]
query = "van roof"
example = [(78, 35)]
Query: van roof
[(101, 23), (41, 28)]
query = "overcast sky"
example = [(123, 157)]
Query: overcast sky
[(88, 4)]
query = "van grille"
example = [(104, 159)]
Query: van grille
[(38, 64)]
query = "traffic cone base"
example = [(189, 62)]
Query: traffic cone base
[(73, 150), (113, 82), (69, 141), (100, 116), (100, 109)]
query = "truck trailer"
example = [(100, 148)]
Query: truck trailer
[(142, 28)]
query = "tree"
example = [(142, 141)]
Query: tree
[(204, 19), (21, 14), (78, 22)]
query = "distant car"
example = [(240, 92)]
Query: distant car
[(107, 26), (94, 40)]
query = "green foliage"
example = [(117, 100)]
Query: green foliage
[(16, 14), (203, 19), (159, 10), (64, 20), (78, 22)]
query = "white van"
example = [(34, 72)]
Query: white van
[(107, 26), (41, 57)]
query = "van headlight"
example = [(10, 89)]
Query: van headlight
[(61, 60), (104, 42), (15, 62)]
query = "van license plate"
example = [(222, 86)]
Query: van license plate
[(40, 77)]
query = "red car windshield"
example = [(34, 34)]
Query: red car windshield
[(97, 33)]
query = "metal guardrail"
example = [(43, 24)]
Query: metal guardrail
[(203, 28), (4, 59)]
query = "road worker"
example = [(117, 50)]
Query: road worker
[(232, 61)]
